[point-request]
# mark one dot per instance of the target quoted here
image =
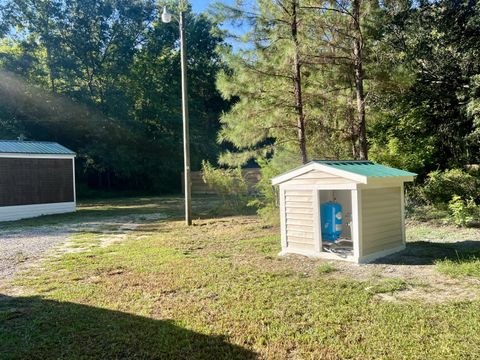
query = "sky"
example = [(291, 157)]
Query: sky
[(200, 5)]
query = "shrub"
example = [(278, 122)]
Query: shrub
[(413, 199), (267, 203), (442, 185), (229, 184), (463, 212)]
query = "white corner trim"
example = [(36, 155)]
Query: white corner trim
[(317, 227), (356, 199), (283, 218), (17, 212), (74, 182), (402, 205), (380, 254)]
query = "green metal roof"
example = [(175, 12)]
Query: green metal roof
[(365, 168), (33, 147)]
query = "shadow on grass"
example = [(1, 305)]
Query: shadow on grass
[(428, 253), (34, 328)]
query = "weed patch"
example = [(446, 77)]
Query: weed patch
[(326, 268), (388, 285), (466, 264)]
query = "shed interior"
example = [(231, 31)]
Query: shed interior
[(342, 247)]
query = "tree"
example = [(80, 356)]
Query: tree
[(282, 82), (424, 114), (358, 66), (102, 77)]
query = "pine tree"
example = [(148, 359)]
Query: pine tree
[(267, 78), (295, 81)]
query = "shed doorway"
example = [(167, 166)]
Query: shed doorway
[(341, 245)]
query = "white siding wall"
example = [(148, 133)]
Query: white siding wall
[(8, 213), (299, 220), (381, 219)]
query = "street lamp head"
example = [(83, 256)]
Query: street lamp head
[(166, 16)]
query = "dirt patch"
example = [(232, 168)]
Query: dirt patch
[(434, 293), (424, 283), (107, 232)]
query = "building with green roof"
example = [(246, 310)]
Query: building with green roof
[(36, 178), (362, 202)]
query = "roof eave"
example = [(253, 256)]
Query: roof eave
[(378, 180), (293, 173), (36, 154)]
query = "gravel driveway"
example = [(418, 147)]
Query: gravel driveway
[(19, 248)]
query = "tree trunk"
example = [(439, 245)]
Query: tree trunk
[(46, 38), (357, 53), (353, 130), (50, 70), (297, 81)]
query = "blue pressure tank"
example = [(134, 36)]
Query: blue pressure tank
[(331, 220)]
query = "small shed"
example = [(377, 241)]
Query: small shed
[(36, 178), (371, 221)]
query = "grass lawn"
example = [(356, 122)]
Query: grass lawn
[(218, 290)]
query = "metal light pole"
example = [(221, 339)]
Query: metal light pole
[(166, 18)]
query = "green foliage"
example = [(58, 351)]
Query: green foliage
[(263, 81), (102, 77), (440, 186), (280, 162), (463, 212), (229, 184), (421, 76), (425, 102)]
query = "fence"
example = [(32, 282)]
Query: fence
[(251, 176)]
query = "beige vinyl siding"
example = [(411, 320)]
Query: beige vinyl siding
[(299, 219), (381, 219), (316, 177)]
